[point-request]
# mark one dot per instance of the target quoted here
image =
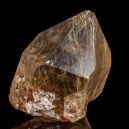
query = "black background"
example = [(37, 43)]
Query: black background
[(21, 22)]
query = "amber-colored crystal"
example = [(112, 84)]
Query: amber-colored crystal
[(62, 70)]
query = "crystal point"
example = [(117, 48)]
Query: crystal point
[(62, 70)]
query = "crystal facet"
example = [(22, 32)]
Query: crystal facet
[(62, 70)]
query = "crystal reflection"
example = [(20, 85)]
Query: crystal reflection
[(37, 123)]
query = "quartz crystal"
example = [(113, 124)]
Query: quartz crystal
[(62, 70)]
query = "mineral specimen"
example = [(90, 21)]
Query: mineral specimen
[(37, 123), (62, 70)]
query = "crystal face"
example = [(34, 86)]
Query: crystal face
[(62, 70)]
